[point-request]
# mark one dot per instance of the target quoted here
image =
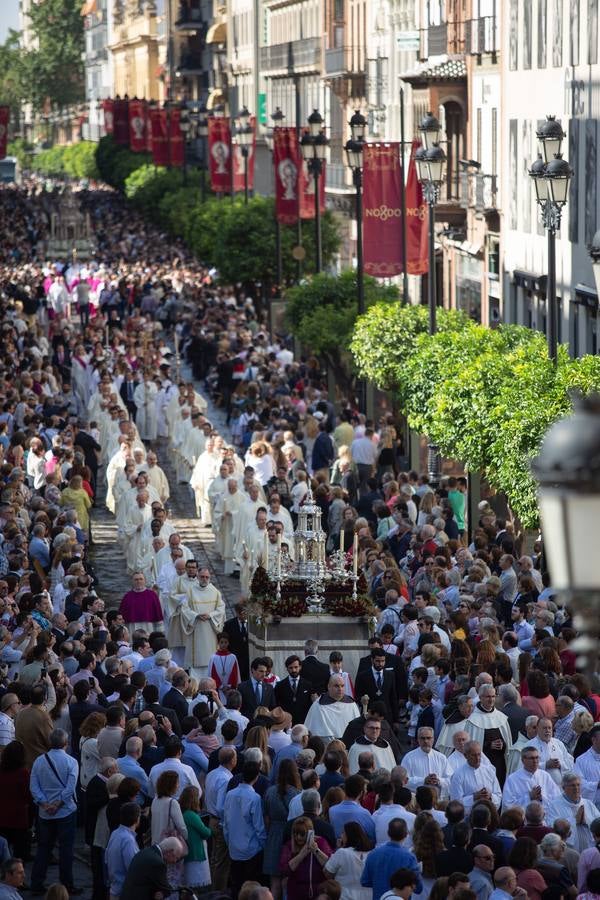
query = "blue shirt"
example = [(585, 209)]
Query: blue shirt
[(351, 811), (195, 757), (243, 823), (381, 864), (131, 769), (290, 751), (48, 787), (215, 788), (38, 549), (120, 850)]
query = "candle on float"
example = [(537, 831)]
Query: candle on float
[(279, 554), (342, 541), (355, 555)]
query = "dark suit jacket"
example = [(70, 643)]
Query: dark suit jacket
[(89, 447), (249, 700), (316, 672), (175, 700), (365, 684), (355, 729), (96, 796), (297, 706), (170, 714), (146, 876), (391, 662), (238, 644), (516, 718)]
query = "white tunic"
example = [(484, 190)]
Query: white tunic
[(144, 397), (329, 720), (384, 756), (588, 766), (518, 787), (553, 749), (466, 781), (419, 765), (456, 760), (561, 808)]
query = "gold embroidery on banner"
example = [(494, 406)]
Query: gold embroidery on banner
[(383, 213)]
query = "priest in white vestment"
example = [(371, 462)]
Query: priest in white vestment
[(232, 504), (244, 519), (588, 766), (332, 712), (514, 754), (278, 513), (167, 577), (201, 615), (554, 756), (457, 758), (157, 478), (215, 492), (144, 397), (128, 497), (371, 742), (474, 781), (529, 783), (489, 727), (138, 514), (426, 765), (205, 469), (255, 552), (453, 724), (576, 809), (165, 556)]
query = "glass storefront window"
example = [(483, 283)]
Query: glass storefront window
[(469, 275)]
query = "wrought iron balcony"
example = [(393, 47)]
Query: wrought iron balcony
[(482, 36), (291, 57)]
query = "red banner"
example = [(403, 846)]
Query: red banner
[(108, 110), (417, 222), (137, 125), (176, 148), (307, 195), (121, 122), (238, 162), (160, 146), (219, 152), (382, 210), (286, 159), (4, 119)]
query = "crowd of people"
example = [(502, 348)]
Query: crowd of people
[(459, 758)]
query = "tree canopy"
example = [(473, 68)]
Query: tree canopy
[(53, 69)]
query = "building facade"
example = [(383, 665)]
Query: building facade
[(98, 68)]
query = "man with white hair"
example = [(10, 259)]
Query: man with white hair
[(156, 477), (563, 726), (554, 756), (588, 767), (147, 873), (460, 739), (164, 556), (454, 723), (299, 735), (473, 781), (530, 782), (425, 766), (329, 716), (432, 612), (514, 754), (579, 812), (489, 727)]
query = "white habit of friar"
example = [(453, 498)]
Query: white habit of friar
[(329, 720), (384, 756), (158, 480)]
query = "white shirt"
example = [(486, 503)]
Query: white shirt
[(384, 815), (466, 781), (518, 786), (588, 766), (553, 749), (187, 776), (364, 451), (456, 760), (419, 765), (561, 808)]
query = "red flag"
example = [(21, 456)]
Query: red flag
[(219, 152), (416, 221), (108, 109), (121, 122), (4, 119), (176, 148), (238, 162), (148, 128), (307, 195), (382, 210), (160, 147), (286, 160), (137, 125)]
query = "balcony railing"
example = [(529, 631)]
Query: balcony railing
[(449, 37), (335, 61), (188, 17), (482, 36), (291, 56), (191, 64), (478, 191)]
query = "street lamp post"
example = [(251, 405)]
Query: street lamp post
[(245, 135), (354, 155), (430, 160), (277, 118), (568, 472), (185, 126), (551, 175), (202, 127), (314, 146)]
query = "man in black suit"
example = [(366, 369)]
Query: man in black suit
[(96, 798), (126, 392), (515, 713), (237, 631), (379, 683), (294, 693), (147, 872), (314, 671), (355, 728), (391, 662), (174, 698), (255, 691), (151, 704), (90, 447)]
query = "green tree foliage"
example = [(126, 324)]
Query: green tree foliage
[(50, 162), (485, 396), (149, 184), (11, 77), (74, 161), (116, 163), (53, 70), (322, 315), (22, 151)]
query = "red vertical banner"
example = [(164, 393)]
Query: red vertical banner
[(417, 221), (307, 193), (148, 128), (160, 146), (176, 148), (108, 110), (137, 125), (219, 154), (238, 162), (382, 210), (4, 120), (121, 122), (286, 160)]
